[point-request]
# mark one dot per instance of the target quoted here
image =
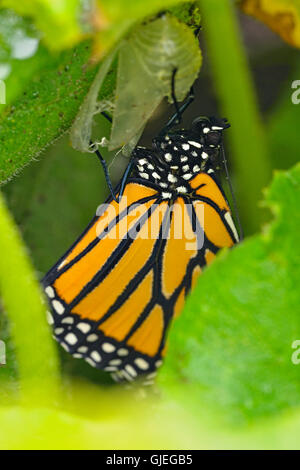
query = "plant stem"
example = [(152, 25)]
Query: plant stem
[(236, 92), (37, 360)]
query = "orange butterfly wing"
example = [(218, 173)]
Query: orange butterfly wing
[(114, 293)]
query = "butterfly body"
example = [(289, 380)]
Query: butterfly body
[(116, 290)]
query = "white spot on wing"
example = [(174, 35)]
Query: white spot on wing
[(84, 327), (50, 292), (96, 356), (58, 307), (141, 363), (230, 222), (116, 376), (130, 370), (90, 362), (68, 320), (71, 338), (91, 338), (58, 331), (49, 318), (108, 347), (61, 264), (126, 375), (122, 352), (115, 362), (152, 375)]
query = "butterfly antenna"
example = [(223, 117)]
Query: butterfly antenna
[(232, 193)]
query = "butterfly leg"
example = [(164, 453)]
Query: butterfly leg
[(107, 116), (108, 180), (106, 173), (124, 178)]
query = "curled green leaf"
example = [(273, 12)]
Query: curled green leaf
[(147, 60), (81, 130)]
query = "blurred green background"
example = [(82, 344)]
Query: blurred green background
[(228, 380)]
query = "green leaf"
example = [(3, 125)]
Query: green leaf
[(49, 96), (20, 54), (115, 17), (58, 21), (55, 199), (52, 203), (35, 352), (45, 110), (8, 373), (282, 16), (93, 418), (232, 346), (146, 63), (64, 24)]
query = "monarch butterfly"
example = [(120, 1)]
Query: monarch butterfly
[(114, 293)]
